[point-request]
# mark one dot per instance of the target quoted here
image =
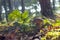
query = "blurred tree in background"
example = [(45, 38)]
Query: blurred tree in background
[(46, 9), (0, 10), (6, 6), (53, 4)]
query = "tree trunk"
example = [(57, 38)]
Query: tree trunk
[(10, 5), (0, 11), (22, 4), (59, 2), (4, 3), (46, 9), (16, 4), (53, 4)]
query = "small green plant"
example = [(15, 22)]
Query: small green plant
[(14, 15), (24, 19), (19, 17)]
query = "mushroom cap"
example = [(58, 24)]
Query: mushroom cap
[(37, 20)]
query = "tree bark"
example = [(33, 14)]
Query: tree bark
[(22, 4), (59, 2), (46, 9), (0, 10), (53, 4), (10, 5), (4, 3)]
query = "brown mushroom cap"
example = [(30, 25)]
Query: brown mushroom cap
[(38, 20)]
